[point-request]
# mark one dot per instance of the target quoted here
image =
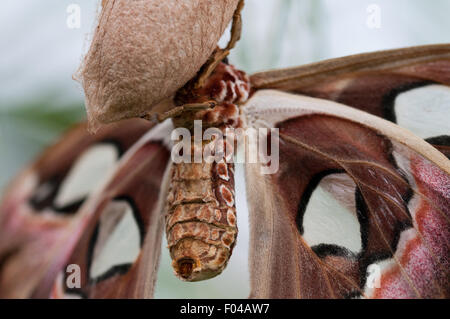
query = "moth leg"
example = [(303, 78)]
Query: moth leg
[(176, 111), (220, 54)]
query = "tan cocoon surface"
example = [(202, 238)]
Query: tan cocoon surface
[(143, 51)]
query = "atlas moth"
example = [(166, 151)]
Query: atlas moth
[(369, 133)]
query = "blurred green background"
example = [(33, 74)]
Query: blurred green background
[(40, 52)]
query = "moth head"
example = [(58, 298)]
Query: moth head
[(195, 260)]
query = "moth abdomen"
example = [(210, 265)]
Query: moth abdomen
[(201, 213), (201, 220)]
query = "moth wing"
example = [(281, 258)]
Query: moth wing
[(358, 206), (116, 253), (44, 207), (408, 86)]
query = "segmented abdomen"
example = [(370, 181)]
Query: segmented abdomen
[(201, 214), (201, 218)]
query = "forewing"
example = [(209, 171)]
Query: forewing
[(359, 207), (408, 86), (119, 244), (45, 201)]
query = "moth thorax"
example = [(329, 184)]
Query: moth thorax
[(227, 86), (201, 217)]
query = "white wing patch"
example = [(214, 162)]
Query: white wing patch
[(118, 239), (90, 169), (425, 111), (330, 217)]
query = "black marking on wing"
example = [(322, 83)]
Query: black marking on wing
[(363, 218), (324, 250), (51, 187), (388, 102), (443, 140), (442, 143)]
